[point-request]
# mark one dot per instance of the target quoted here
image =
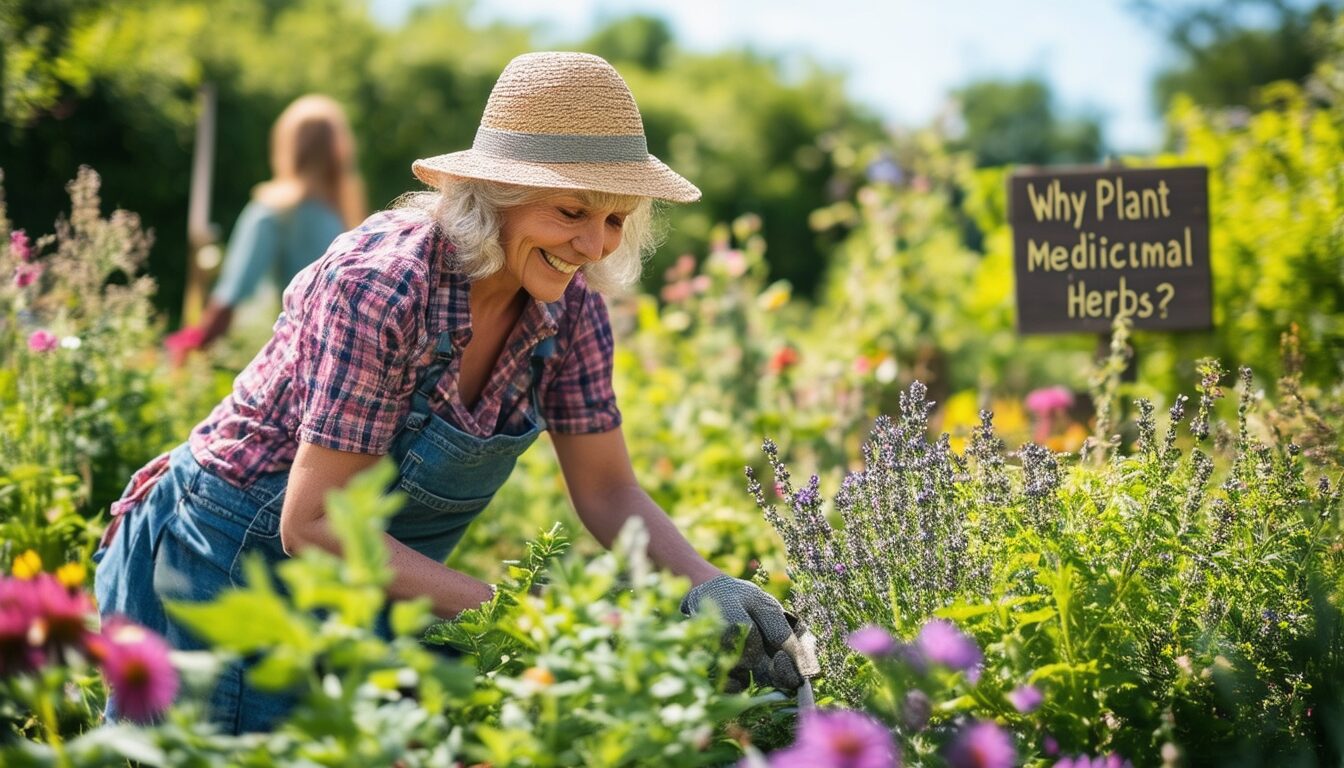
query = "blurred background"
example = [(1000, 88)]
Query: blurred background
[(748, 99)]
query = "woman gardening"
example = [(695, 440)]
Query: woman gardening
[(446, 333)]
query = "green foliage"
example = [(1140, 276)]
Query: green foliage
[(1228, 51), (84, 400), (1165, 595), (115, 86), (1007, 122)]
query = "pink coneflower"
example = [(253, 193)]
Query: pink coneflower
[(982, 744), (941, 642), (1025, 698), (839, 739), (872, 640), (42, 340), (20, 246), (18, 612), (62, 613), (135, 664)]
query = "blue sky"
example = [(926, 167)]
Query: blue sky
[(902, 57)]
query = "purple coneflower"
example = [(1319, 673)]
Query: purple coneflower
[(982, 744), (872, 640), (942, 643), (18, 611), (135, 663), (839, 738), (1025, 698), (62, 613)]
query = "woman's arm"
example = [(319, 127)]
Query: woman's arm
[(605, 493), (303, 524)]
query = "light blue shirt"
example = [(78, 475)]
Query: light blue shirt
[(279, 243)]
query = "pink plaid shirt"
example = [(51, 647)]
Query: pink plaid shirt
[(357, 327)]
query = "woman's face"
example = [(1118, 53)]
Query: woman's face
[(546, 242)]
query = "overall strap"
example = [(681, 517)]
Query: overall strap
[(544, 349), (443, 355)]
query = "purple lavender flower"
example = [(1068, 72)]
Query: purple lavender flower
[(872, 640), (839, 739), (942, 643), (1025, 698), (982, 744)]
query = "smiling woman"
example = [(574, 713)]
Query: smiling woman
[(447, 334)]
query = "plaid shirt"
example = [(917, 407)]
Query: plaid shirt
[(357, 328)]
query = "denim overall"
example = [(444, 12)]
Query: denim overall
[(187, 540)]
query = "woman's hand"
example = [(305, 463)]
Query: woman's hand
[(317, 470), (773, 654)]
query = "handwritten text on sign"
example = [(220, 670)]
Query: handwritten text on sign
[(1090, 246)]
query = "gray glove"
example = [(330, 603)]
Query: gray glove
[(773, 654)]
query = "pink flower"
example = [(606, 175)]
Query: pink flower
[(734, 263), (1025, 698), (42, 340), (839, 738), (942, 643), (135, 664), (982, 744), (676, 292), (872, 640), (26, 274), (1047, 400), (20, 246), (62, 613), (18, 611)]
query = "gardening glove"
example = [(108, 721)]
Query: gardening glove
[(773, 654)]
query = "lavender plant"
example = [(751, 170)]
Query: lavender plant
[(1180, 596)]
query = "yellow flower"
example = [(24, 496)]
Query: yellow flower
[(774, 297), (27, 565), (71, 575)]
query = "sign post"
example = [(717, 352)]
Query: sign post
[(1091, 245)]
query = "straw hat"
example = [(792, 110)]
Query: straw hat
[(562, 120)]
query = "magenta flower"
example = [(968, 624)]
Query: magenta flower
[(982, 744), (135, 664), (942, 643), (42, 340), (1049, 399), (18, 611), (62, 613), (20, 246), (26, 274), (1100, 761), (872, 640), (839, 738), (1025, 698)]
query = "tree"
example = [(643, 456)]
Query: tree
[(1015, 122), (1227, 51)]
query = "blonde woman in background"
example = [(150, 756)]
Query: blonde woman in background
[(315, 194)]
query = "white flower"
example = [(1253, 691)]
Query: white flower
[(71, 342), (886, 372)]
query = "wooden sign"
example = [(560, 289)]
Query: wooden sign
[(1090, 245)]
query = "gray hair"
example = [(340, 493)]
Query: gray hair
[(468, 213)]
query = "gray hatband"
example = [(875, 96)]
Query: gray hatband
[(560, 147)]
